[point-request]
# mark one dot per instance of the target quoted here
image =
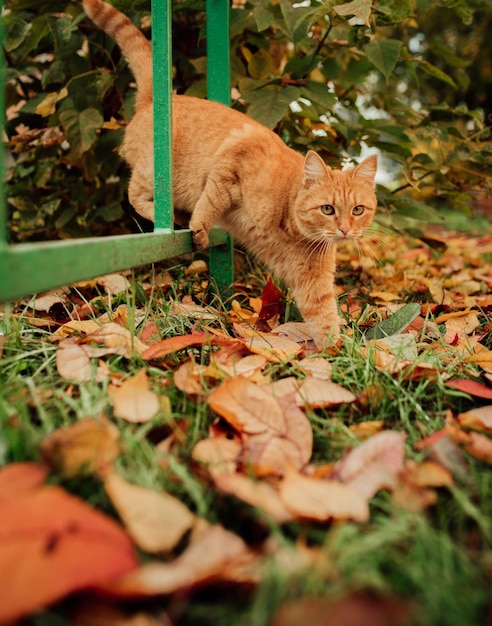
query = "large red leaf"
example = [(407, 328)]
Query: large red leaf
[(51, 544)]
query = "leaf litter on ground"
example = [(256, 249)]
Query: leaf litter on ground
[(306, 440)]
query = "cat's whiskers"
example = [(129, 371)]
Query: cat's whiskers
[(364, 244)]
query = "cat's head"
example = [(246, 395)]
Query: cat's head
[(335, 204)]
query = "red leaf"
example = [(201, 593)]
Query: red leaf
[(52, 544), (472, 387), (272, 301)]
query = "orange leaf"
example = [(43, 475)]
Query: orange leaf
[(87, 446), (321, 500), (211, 550), (155, 519), (17, 479), (258, 493), (173, 344), (134, 401), (247, 407), (54, 544), (478, 419)]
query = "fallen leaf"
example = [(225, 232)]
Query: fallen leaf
[(188, 378), (432, 474), (73, 361), (45, 301), (316, 393), (272, 301), (479, 418), (375, 464), (354, 609), (17, 479), (211, 551), (258, 493), (114, 283), (219, 454), (482, 358), (134, 401), (316, 367), (50, 544), (155, 520), (173, 344), (471, 387), (364, 430), (273, 347), (247, 407), (119, 339), (88, 446), (295, 331), (322, 500)]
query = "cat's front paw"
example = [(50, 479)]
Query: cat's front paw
[(200, 238)]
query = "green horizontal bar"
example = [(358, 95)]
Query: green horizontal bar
[(29, 268)]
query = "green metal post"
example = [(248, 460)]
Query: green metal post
[(162, 84), (219, 88)]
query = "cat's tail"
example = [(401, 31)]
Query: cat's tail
[(133, 43)]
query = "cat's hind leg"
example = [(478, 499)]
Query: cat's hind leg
[(219, 194), (141, 197)]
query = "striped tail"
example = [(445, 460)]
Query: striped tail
[(135, 46)]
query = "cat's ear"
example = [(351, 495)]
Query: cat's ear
[(366, 170), (314, 169)]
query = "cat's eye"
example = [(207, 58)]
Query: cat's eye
[(358, 210), (327, 209)]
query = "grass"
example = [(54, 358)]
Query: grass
[(438, 561)]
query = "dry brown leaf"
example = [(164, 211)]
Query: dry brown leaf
[(114, 283), (259, 494), (295, 331), (247, 407), (479, 418), (120, 339), (155, 520), (432, 474), (316, 393), (88, 446), (219, 454), (355, 609), (45, 301), (322, 500), (375, 464), (188, 377), (134, 401), (83, 326), (244, 366), (211, 551), (364, 430), (174, 344), (73, 361), (482, 357), (273, 347), (316, 367)]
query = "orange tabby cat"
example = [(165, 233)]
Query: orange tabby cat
[(287, 209)]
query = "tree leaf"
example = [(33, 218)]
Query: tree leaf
[(270, 104), (81, 127), (361, 9), (384, 54)]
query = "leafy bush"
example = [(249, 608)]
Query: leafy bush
[(409, 79)]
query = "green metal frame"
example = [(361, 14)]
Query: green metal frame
[(33, 267)]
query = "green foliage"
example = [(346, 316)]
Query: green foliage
[(411, 80)]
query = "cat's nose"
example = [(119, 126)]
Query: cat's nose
[(343, 231)]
